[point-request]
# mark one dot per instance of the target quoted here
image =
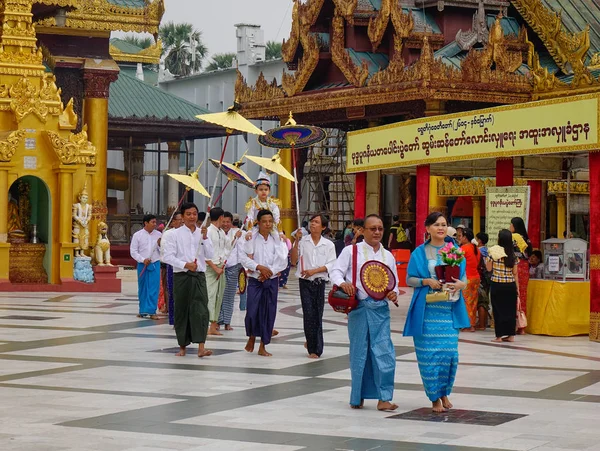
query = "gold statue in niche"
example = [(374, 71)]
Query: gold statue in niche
[(82, 214)]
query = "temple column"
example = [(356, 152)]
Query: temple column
[(373, 190), (287, 196), (594, 167), (173, 185), (4, 245), (476, 214), (552, 216), (504, 172), (534, 227), (137, 177), (423, 173), (65, 225), (561, 214), (95, 115), (360, 194)]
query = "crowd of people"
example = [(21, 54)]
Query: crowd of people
[(205, 266)]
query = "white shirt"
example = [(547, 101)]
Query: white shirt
[(272, 253), (167, 234), (185, 246), (342, 270), (218, 239), (143, 245), (233, 250), (311, 256)]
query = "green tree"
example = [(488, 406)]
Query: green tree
[(183, 48), (273, 50), (221, 61), (142, 42)]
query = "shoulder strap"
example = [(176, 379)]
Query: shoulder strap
[(354, 263)]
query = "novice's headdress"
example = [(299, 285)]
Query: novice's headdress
[(263, 179)]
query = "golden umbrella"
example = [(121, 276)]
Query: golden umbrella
[(272, 165), (232, 121)]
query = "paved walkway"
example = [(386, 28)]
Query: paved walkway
[(81, 373)]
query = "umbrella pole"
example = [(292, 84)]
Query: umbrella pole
[(296, 186), (222, 191), (210, 204)]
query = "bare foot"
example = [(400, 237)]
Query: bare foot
[(497, 340), (218, 326), (139, 315), (510, 339), (437, 406), (446, 402), (275, 333), (154, 317), (181, 352), (386, 406), (313, 356), (471, 329), (305, 345), (360, 406), (204, 352), (250, 344), (262, 351), (228, 327), (521, 332), (213, 329)]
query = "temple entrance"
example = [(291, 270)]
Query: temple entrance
[(29, 230)]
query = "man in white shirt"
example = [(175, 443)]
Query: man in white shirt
[(265, 256), (233, 245), (187, 250), (176, 222), (144, 250), (215, 284), (314, 256), (372, 355)]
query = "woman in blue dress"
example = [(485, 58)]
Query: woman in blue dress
[(434, 326)]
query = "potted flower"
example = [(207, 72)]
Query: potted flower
[(452, 257)]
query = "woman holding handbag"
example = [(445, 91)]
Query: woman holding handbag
[(504, 287), (522, 249), (432, 321)]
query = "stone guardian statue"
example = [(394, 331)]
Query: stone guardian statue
[(82, 214)]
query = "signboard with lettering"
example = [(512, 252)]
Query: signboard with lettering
[(549, 126), (503, 204)]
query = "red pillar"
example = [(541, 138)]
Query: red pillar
[(504, 172), (534, 229), (360, 195), (423, 173), (594, 166)]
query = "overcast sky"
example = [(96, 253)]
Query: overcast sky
[(216, 19)]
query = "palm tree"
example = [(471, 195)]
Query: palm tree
[(138, 41), (273, 50), (221, 61), (183, 47)]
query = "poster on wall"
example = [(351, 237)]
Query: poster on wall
[(503, 204)]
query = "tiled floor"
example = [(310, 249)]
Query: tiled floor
[(82, 373)]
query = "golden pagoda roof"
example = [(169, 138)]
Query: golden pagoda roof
[(132, 54)]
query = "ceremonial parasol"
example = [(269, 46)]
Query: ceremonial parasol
[(272, 165), (232, 121), (377, 279), (233, 174), (293, 136), (191, 182)]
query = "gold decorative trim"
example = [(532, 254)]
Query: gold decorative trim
[(295, 83), (575, 187), (568, 50), (390, 10), (341, 58), (346, 8), (595, 262), (595, 326), (9, 141), (150, 55), (447, 187), (304, 16), (262, 90), (76, 149), (105, 16), (61, 3), (68, 118)]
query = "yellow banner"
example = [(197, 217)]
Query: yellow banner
[(549, 126)]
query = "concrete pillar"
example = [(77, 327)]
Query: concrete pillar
[(172, 184)]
